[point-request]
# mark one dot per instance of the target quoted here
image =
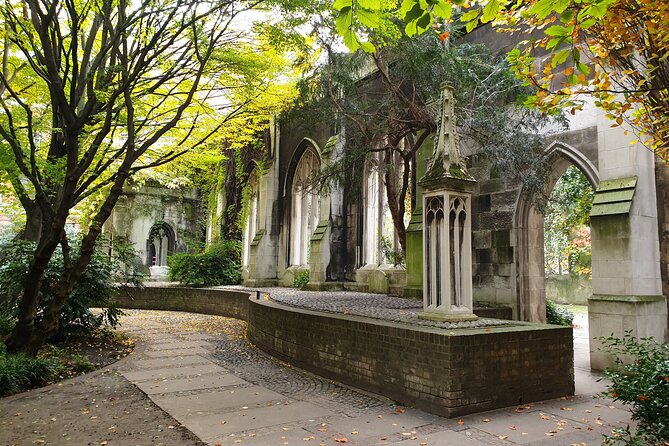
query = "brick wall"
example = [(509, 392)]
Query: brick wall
[(449, 373), (229, 303)]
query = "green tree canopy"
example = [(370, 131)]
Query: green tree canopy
[(93, 93)]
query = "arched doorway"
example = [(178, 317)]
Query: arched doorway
[(160, 244), (531, 290)]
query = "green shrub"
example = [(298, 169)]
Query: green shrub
[(390, 254), (558, 315), (94, 289), (7, 323), (640, 380), (220, 264), (301, 279), (18, 372)]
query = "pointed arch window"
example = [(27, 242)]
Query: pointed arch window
[(305, 208)]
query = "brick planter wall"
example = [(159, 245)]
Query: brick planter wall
[(229, 303), (448, 373)]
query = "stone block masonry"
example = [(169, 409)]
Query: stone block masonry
[(446, 372)]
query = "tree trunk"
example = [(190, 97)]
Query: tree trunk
[(33, 227), (30, 334), (396, 200), (27, 337)]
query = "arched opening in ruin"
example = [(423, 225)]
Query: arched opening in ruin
[(160, 244), (531, 238), (304, 205)]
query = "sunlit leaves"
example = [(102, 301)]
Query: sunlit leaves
[(616, 50)]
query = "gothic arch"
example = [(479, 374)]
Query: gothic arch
[(529, 225), (304, 203), (303, 146), (161, 242)]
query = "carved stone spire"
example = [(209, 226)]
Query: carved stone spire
[(446, 159)]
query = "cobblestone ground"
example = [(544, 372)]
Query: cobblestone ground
[(236, 353), (376, 306)]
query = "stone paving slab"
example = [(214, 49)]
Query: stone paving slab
[(177, 344), (212, 427), (373, 425), (146, 375), (291, 437), (175, 352), (440, 438), (170, 361), (184, 406), (180, 384)]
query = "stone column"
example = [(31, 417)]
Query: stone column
[(447, 262), (264, 247), (626, 280)]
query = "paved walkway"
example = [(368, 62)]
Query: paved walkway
[(202, 371)]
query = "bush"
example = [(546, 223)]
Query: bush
[(557, 315), (641, 380), (95, 288), (301, 279), (18, 372), (220, 264)]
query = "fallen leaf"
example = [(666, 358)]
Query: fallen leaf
[(502, 437), (354, 433), (341, 440), (512, 427), (461, 422), (399, 409)]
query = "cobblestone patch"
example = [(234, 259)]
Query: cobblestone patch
[(261, 369), (376, 306)]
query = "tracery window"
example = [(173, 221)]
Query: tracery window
[(305, 208)]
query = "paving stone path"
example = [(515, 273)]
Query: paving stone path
[(202, 371)]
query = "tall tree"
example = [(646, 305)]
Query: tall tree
[(94, 92), (612, 50)]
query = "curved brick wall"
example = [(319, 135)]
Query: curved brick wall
[(219, 302), (449, 373)]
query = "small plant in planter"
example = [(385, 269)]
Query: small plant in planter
[(641, 380), (301, 279)]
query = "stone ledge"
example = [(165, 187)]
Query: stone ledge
[(628, 299)]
